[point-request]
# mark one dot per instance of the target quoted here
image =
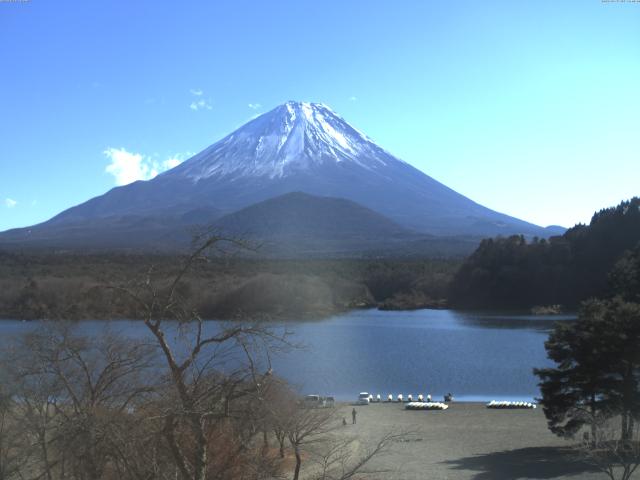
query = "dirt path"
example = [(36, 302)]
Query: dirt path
[(467, 441)]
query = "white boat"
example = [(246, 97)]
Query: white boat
[(427, 406), (508, 405)]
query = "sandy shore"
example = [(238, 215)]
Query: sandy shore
[(467, 441)]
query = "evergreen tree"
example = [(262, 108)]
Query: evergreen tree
[(618, 351), (513, 273), (597, 371), (572, 392), (624, 279)]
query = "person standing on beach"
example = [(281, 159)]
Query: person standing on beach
[(353, 416)]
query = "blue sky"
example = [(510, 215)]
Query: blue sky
[(530, 108)]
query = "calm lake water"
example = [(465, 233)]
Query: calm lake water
[(477, 357)]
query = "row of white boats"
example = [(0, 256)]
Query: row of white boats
[(426, 406), (492, 404), (510, 405), (425, 403), (365, 398)]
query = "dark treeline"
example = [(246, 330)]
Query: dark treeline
[(73, 286), (565, 270)]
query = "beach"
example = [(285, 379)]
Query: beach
[(466, 441)]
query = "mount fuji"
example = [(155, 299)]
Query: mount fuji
[(296, 147)]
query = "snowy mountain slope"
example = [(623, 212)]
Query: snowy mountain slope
[(296, 147), (292, 138)]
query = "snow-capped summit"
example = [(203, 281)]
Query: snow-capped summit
[(292, 137)]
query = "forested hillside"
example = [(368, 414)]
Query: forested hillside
[(74, 286), (515, 273)]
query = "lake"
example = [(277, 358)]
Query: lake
[(476, 356)]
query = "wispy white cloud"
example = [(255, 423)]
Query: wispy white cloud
[(254, 106), (10, 202), (199, 103), (171, 163), (127, 167), (353, 99)]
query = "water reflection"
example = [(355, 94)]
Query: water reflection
[(511, 321)]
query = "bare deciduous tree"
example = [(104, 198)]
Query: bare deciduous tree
[(305, 427), (210, 370), (606, 450), (339, 458), (11, 446), (71, 395)]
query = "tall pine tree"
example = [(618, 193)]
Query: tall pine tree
[(597, 371)]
